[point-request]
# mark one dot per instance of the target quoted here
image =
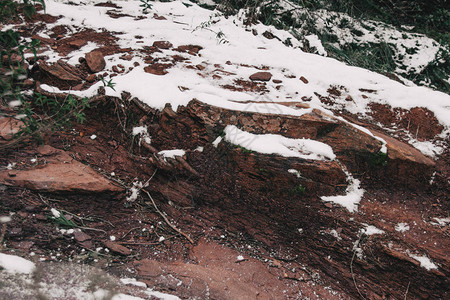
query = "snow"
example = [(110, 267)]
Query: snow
[(217, 141), (441, 221), (278, 144), (371, 230), (133, 281), (142, 131), (162, 296), (352, 197), (315, 42), (240, 258), (243, 48), (425, 262), (112, 238), (16, 265), (295, 172), (55, 213), (172, 153), (402, 227), (5, 219), (93, 137)]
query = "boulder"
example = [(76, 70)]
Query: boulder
[(95, 61), (261, 76)]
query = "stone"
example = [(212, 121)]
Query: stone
[(91, 78), (61, 173), (261, 76), (277, 81), (95, 61), (9, 127), (77, 44), (304, 80), (80, 236), (162, 44), (61, 71), (117, 248), (157, 69)]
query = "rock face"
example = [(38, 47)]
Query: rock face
[(353, 147), (59, 172), (95, 61)]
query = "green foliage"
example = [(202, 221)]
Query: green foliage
[(379, 159), (63, 222), (298, 190), (41, 113), (146, 6), (108, 83), (375, 57)]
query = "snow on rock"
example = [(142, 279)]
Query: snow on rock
[(353, 196), (424, 261), (278, 144), (143, 133), (16, 265), (441, 221), (402, 227), (371, 230), (172, 153), (133, 281), (162, 296)]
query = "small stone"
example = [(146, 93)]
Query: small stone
[(328, 204), (162, 44), (91, 78), (95, 61), (77, 44), (261, 76), (80, 236), (277, 81), (305, 81), (114, 247)]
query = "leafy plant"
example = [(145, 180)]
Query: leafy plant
[(108, 83), (146, 6)]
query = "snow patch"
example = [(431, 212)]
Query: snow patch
[(371, 230), (425, 262), (16, 265), (278, 144), (172, 153), (402, 227), (353, 196)]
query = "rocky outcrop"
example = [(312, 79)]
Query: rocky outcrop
[(357, 150)]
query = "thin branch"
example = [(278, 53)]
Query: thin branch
[(351, 266), (167, 220)]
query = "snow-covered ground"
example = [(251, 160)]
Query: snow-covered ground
[(246, 54)]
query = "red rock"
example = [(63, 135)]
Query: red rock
[(95, 61), (277, 81), (305, 81), (61, 173), (91, 78), (9, 127), (261, 76), (77, 44), (80, 236), (191, 49), (115, 247), (62, 71), (162, 44), (157, 69), (157, 17)]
